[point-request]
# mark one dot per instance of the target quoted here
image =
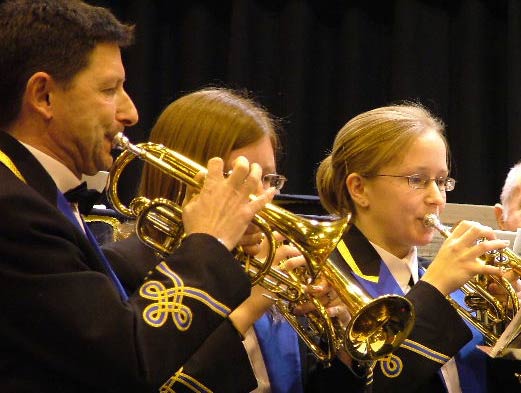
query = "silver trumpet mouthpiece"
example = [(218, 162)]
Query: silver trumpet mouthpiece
[(120, 141), (431, 221)]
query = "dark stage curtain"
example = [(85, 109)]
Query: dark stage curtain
[(315, 64)]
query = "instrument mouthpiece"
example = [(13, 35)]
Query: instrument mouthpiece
[(120, 141), (431, 221)]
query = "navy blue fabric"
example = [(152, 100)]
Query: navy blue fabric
[(66, 209)]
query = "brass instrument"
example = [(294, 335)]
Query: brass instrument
[(377, 326), (487, 313)]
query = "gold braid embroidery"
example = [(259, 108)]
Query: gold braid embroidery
[(184, 379), (169, 301), (4, 159)]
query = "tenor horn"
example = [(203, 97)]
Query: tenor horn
[(485, 311), (377, 326)]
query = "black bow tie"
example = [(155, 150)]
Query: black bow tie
[(84, 197)]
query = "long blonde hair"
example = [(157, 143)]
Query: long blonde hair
[(366, 143), (206, 123)]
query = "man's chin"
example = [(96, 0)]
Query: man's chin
[(106, 164), (425, 239)]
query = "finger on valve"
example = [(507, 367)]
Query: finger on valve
[(256, 243), (251, 241), (321, 290), (320, 287), (259, 244), (280, 239), (500, 292), (337, 309), (288, 257), (460, 254)]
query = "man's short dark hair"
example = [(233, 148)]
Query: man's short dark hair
[(54, 36)]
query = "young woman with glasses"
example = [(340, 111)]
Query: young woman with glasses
[(388, 168), (218, 122)]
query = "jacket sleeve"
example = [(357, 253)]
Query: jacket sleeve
[(69, 323), (131, 260), (438, 334), (221, 364)]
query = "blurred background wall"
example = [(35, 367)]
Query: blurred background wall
[(315, 64)]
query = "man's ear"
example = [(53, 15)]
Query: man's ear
[(355, 185), (498, 210), (38, 94)]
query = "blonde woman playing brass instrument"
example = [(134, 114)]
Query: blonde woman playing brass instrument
[(228, 124), (388, 168)]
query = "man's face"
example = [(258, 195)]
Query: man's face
[(90, 112)]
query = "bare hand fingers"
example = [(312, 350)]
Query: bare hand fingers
[(191, 191), (289, 256), (320, 287), (340, 312), (251, 239)]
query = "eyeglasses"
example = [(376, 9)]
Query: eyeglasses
[(274, 180), (271, 179), (418, 181)]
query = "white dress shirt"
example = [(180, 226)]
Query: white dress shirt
[(62, 176), (251, 344)]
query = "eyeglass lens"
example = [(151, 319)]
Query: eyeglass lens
[(274, 180), (422, 181)]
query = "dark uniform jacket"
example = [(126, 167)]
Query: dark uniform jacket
[(133, 261), (65, 327), (438, 334)]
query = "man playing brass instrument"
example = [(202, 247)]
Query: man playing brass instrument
[(68, 325)]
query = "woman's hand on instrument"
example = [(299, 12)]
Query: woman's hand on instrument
[(225, 206), (322, 290), (287, 256), (458, 260), (499, 291), (254, 242)]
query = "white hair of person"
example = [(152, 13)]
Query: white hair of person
[(512, 183)]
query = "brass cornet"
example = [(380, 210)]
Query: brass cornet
[(487, 313), (377, 326)]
